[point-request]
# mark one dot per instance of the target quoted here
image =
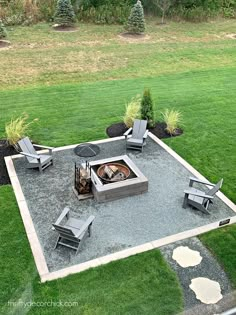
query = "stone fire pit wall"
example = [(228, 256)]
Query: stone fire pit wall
[(135, 185)]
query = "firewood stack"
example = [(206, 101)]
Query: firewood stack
[(111, 170), (112, 173), (82, 181)]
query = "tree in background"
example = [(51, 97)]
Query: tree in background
[(64, 15), (136, 21), (147, 112), (3, 32), (164, 6)]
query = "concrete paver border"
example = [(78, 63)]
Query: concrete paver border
[(36, 248)]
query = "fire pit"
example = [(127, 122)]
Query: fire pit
[(116, 178), (113, 172)]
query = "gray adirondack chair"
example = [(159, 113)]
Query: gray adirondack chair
[(72, 231), (139, 135), (200, 199), (35, 160)]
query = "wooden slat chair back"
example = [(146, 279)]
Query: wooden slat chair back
[(200, 199), (139, 135), (139, 128), (63, 230), (35, 160), (72, 230), (66, 233), (27, 147), (215, 189)]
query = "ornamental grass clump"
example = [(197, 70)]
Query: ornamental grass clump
[(147, 112), (3, 32), (172, 118), (132, 111), (17, 129), (64, 15), (136, 21)]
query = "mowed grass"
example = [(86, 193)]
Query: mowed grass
[(41, 56), (74, 113), (222, 243), (77, 84), (142, 284)]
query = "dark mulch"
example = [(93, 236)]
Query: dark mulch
[(5, 150), (61, 28), (4, 43), (117, 130), (133, 35), (160, 131)]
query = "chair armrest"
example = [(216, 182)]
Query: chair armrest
[(196, 180), (127, 132), (43, 146), (85, 226), (62, 215), (199, 194), (146, 134), (34, 156)]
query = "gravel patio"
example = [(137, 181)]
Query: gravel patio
[(118, 224)]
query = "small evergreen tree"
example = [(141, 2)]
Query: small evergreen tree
[(147, 112), (3, 32), (136, 21), (64, 15)]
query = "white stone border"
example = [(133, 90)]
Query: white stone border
[(191, 169), (39, 258), (27, 220)]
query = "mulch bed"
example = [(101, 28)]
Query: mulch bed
[(5, 150), (4, 43), (61, 28), (160, 131), (117, 130), (133, 35)]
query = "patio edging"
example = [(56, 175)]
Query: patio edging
[(191, 169), (27, 220), (37, 251)]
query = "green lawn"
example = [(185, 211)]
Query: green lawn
[(77, 84), (80, 112), (41, 56), (142, 284), (222, 243)]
